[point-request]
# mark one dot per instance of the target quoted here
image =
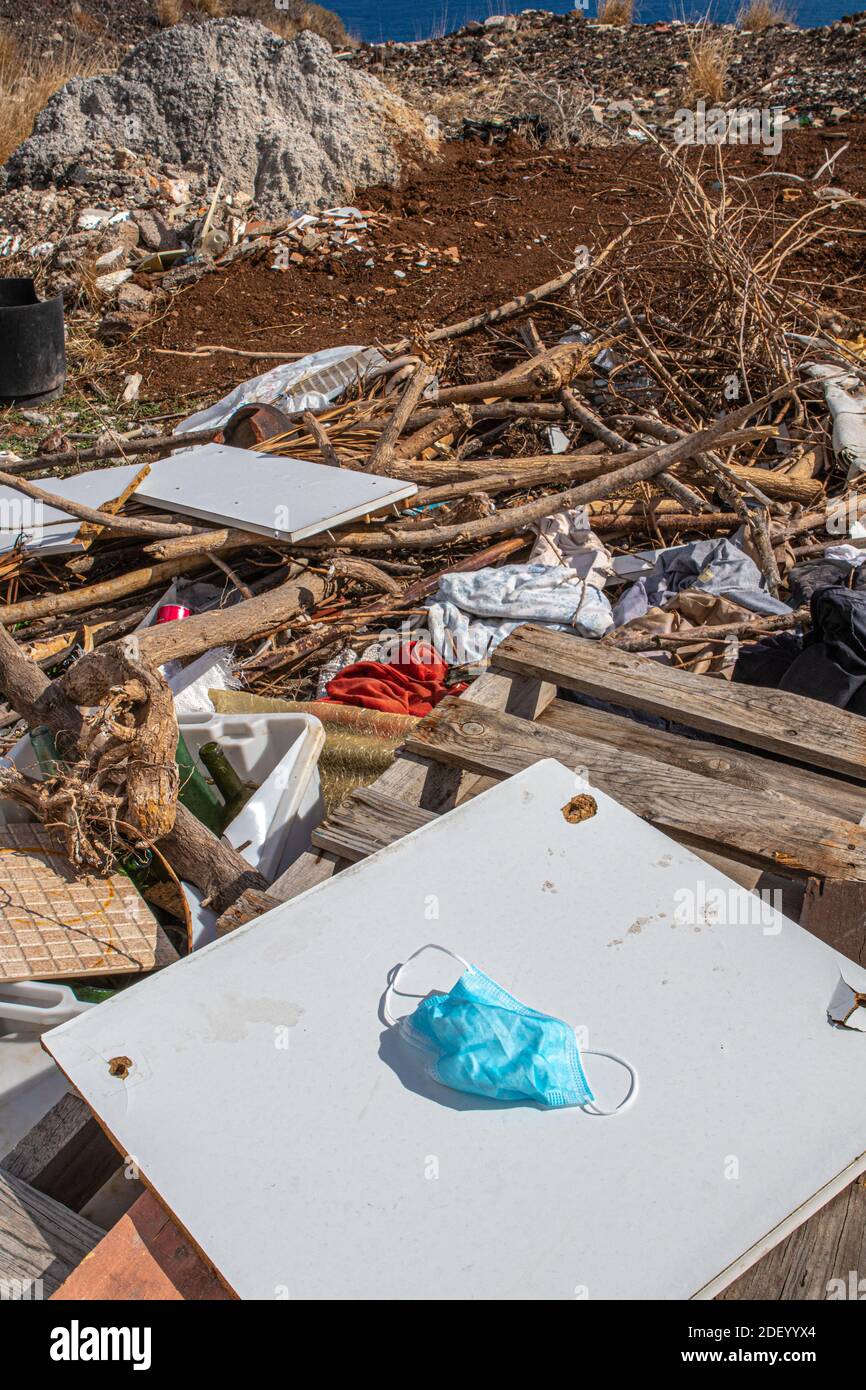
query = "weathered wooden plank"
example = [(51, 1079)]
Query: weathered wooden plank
[(66, 1155), (367, 822), (759, 827), (40, 1239), (836, 912), (733, 765), (143, 1257), (792, 725), (251, 903), (825, 1258)]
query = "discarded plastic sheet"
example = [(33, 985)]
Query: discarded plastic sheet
[(311, 383), (266, 493), (845, 395), (353, 1175)]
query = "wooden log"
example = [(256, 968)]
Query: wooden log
[(382, 452), (106, 591), (242, 622), (195, 854), (521, 518)]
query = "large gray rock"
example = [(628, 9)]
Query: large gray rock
[(285, 121)]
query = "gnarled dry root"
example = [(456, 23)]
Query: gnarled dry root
[(133, 731)]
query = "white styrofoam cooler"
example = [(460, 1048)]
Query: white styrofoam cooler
[(281, 753)]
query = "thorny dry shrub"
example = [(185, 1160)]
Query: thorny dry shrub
[(614, 12), (710, 52), (28, 79), (562, 110), (732, 300), (559, 111), (758, 15)]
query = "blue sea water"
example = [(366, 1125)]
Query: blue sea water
[(377, 20)]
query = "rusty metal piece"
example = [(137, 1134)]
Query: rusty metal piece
[(579, 808), (252, 425)]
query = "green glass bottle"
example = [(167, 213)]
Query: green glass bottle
[(196, 793), (42, 743), (235, 793)]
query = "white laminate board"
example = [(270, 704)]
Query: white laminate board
[(275, 496), (301, 1145), (48, 529)]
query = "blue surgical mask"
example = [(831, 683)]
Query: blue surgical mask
[(482, 1040)]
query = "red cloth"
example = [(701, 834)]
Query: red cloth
[(411, 685)]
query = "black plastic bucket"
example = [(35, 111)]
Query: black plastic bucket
[(32, 344)]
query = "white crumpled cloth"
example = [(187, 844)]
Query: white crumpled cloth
[(566, 539), (471, 613)]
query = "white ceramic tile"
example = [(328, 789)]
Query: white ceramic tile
[(299, 1142)]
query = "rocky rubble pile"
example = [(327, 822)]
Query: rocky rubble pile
[(124, 165), (284, 122), (816, 74)]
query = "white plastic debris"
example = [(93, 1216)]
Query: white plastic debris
[(308, 384), (845, 395), (132, 386)]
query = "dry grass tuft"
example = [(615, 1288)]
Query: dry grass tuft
[(709, 60), (27, 80), (169, 12), (85, 22), (758, 15), (287, 21), (614, 12)]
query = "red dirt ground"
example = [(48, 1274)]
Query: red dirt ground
[(515, 215)]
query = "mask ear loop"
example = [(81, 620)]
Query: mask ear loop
[(591, 1108), (392, 983)]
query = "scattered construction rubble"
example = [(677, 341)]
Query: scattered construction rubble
[(556, 595)]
